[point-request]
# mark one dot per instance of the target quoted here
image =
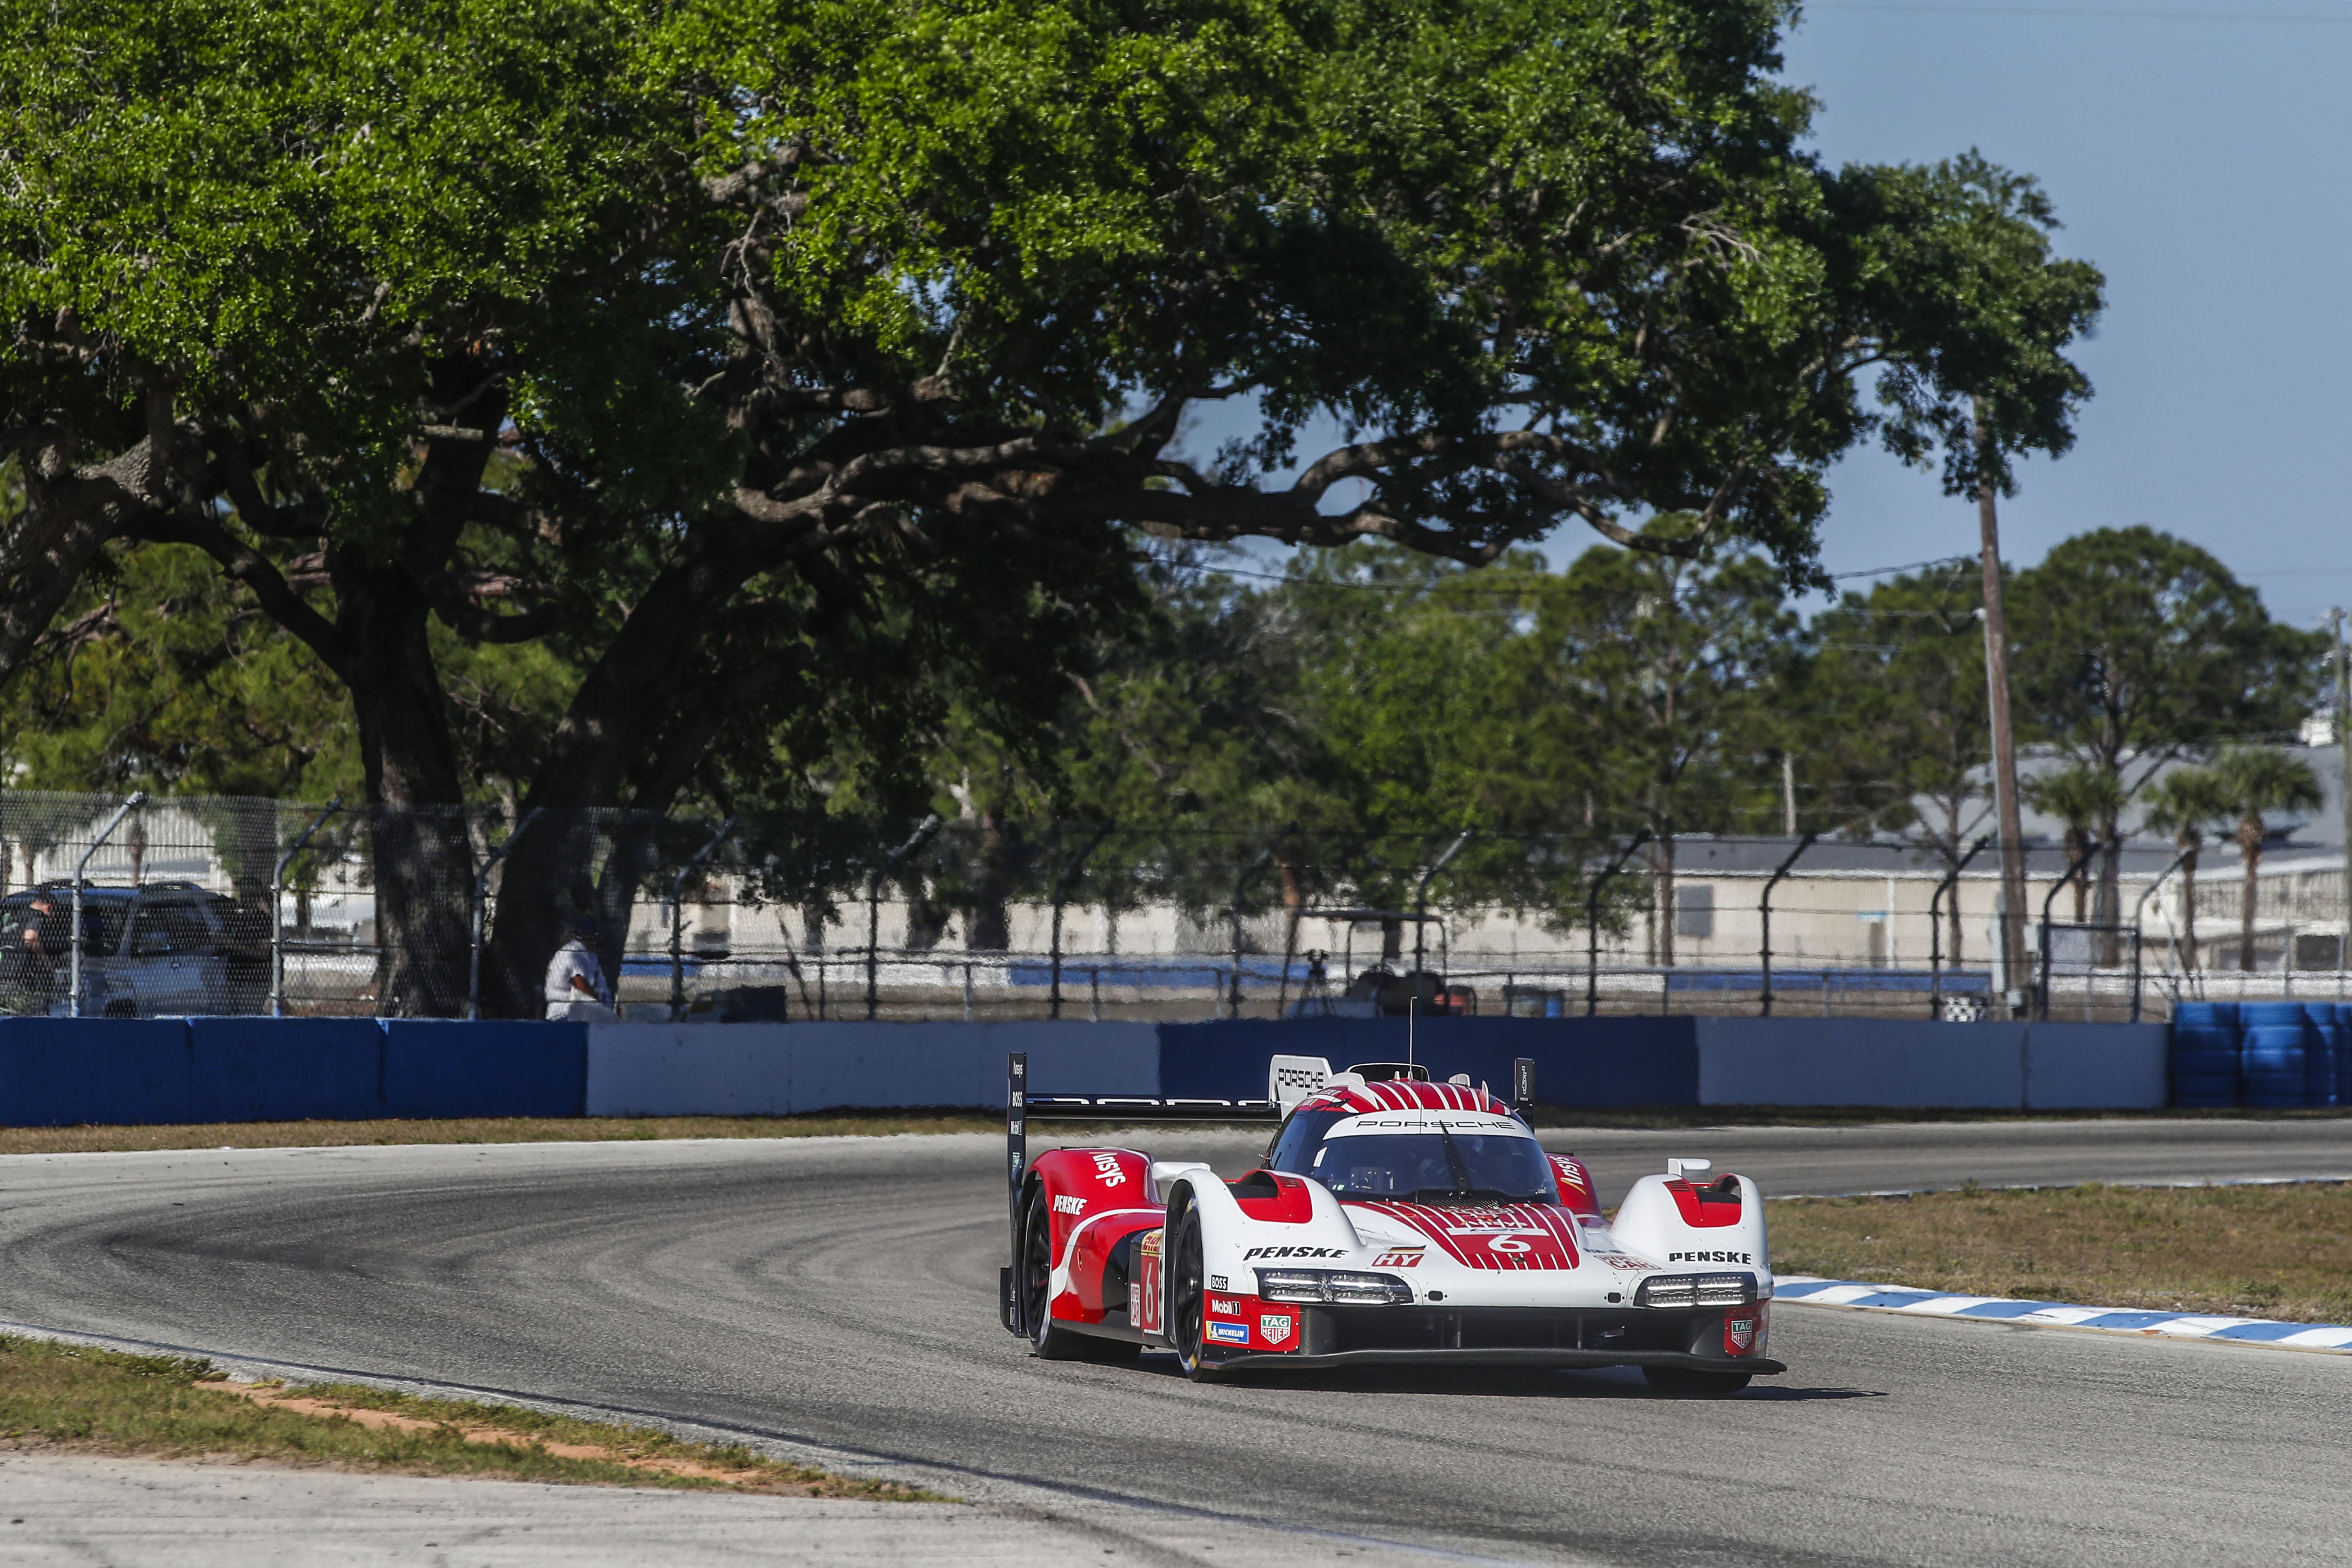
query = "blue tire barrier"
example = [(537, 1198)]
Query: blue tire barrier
[(2204, 1056), (2340, 1050), (2275, 1058)]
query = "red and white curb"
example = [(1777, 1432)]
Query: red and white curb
[(1810, 1291)]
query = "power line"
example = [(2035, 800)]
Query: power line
[(2102, 16)]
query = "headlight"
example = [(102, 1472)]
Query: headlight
[(1696, 1291), (1332, 1285)]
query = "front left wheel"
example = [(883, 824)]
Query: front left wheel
[(1049, 1340)]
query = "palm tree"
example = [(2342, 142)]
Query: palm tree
[(2184, 806), (2259, 779), (2081, 797)]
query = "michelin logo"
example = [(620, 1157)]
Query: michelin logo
[(1229, 1333)]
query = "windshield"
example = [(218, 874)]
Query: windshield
[(1444, 1156)]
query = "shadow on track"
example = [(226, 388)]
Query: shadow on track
[(1485, 1382)]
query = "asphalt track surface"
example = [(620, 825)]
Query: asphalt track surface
[(839, 1293)]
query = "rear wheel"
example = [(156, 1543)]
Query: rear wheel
[(1683, 1383), (1187, 1283), (1050, 1340)]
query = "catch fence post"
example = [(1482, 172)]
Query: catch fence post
[(676, 893), (928, 826), (276, 894), (1061, 896), (2047, 900), (481, 893), (1951, 883), (1593, 921), (1764, 909), (81, 873), (1241, 886)]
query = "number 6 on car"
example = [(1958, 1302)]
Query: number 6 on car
[(1393, 1220)]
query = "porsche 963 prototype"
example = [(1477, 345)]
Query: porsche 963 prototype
[(1393, 1220)]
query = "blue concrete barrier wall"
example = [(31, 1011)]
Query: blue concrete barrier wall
[(442, 1067), (781, 1070), (55, 1071), (286, 1070), (60, 1073), (1583, 1062), (1919, 1062)]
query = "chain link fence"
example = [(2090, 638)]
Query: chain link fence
[(195, 904)]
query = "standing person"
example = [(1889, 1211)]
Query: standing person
[(576, 987), (28, 969)]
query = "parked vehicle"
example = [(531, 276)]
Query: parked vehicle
[(156, 950)]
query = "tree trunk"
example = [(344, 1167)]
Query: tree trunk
[(2189, 907), (2073, 854), (2106, 910), (2250, 845), (423, 860), (1666, 864)]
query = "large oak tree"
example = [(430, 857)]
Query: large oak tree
[(740, 347)]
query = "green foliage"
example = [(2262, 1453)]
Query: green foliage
[(159, 679), (1892, 711)]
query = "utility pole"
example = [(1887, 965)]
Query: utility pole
[(2335, 627), (2004, 735), (1788, 794)]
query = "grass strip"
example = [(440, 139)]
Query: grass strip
[(488, 1130), (2272, 1251), (81, 1397)]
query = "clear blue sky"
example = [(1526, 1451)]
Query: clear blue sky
[(2195, 152)]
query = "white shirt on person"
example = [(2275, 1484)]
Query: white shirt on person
[(573, 959)]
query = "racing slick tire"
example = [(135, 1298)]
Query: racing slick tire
[(1187, 1287), (1048, 1340), (1683, 1383)]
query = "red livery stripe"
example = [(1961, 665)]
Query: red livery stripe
[(1512, 1237)]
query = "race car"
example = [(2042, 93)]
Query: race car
[(1393, 1220)]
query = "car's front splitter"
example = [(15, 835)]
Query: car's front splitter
[(1503, 1356)]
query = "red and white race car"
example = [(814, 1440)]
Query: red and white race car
[(1393, 1220)]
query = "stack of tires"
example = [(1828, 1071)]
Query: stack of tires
[(2205, 1053), (2275, 1055)]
